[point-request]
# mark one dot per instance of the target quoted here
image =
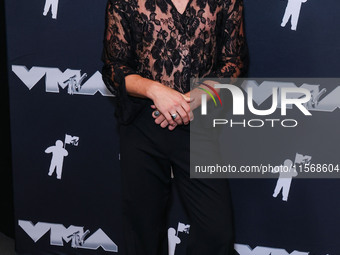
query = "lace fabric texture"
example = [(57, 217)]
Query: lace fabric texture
[(153, 39)]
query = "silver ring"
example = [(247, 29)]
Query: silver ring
[(174, 116), (156, 113)]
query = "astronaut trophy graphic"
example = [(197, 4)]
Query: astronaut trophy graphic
[(285, 177), (51, 4), (173, 238), (74, 85), (59, 152), (292, 11)]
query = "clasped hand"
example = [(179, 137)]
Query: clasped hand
[(172, 108)]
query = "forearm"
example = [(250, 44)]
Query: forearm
[(139, 86)]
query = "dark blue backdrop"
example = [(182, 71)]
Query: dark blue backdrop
[(87, 195)]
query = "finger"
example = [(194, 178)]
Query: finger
[(153, 106), (164, 124), (171, 127), (186, 107), (188, 99), (169, 118), (160, 119), (183, 115), (178, 118), (156, 114), (191, 116)]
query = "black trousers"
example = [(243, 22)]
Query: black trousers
[(147, 155)]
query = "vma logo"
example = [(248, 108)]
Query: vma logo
[(76, 235), (243, 249), (287, 94), (55, 80)]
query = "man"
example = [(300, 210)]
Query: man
[(151, 50)]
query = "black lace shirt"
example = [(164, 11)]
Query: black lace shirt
[(151, 38)]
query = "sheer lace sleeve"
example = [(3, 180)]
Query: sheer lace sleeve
[(117, 54), (118, 58), (232, 58)]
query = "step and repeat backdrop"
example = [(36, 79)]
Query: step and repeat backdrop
[(65, 143)]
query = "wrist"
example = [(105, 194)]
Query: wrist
[(152, 89), (195, 96)]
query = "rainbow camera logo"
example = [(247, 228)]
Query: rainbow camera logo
[(204, 96)]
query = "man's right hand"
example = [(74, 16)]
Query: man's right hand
[(168, 102)]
